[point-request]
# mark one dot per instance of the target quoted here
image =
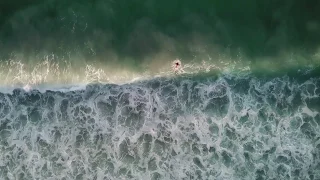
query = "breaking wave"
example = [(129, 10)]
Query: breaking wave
[(208, 127)]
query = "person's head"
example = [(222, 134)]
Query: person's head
[(176, 65), (177, 62)]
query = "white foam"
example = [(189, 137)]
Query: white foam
[(44, 87), (179, 129)]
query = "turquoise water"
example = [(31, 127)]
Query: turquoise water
[(88, 91)]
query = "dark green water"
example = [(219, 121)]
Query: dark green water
[(88, 91), (146, 34)]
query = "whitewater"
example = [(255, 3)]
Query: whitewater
[(192, 126)]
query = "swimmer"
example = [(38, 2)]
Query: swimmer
[(177, 66)]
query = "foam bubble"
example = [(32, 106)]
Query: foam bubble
[(229, 127)]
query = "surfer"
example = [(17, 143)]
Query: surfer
[(177, 66)]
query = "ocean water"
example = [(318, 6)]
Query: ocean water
[(186, 127), (87, 90)]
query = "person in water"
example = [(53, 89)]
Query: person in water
[(177, 66)]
